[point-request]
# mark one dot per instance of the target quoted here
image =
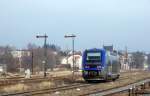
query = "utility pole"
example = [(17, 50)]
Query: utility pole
[(32, 61), (126, 57), (73, 38), (45, 51)]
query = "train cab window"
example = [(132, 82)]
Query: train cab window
[(93, 57)]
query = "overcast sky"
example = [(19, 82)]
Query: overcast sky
[(95, 22)]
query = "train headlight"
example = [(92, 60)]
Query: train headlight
[(109, 73), (86, 72), (98, 67)]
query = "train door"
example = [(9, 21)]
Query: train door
[(109, 68), (114, 67)]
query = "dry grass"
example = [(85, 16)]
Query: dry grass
[(15, 88), (24, 87), (46, 85)]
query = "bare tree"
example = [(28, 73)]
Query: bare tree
[(138, 58), (54, 55), (26, 61), (148, 61), (31, 46), (7, 58)]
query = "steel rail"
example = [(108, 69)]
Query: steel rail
[(48, 90), (62, 88), (117, 89)]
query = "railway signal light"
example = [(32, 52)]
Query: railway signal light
[(73, 37), (45, 51)]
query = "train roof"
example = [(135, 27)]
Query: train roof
[(95, 49)]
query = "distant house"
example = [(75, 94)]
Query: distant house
[(69, 61), (20, 53), (125, 65), (3, 68), (145, 62)]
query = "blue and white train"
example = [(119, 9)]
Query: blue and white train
[(99, 64)]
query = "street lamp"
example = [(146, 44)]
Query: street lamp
[(73, 37), (45, 51)]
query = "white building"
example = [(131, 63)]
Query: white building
[(20, 53), (125, 63), (69, 60), (3, 68), (145, 63)]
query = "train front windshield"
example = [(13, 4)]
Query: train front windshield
[(93, 57)]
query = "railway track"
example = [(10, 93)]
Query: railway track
[(119, 80), (119, 89), (57, 89), (13, 81), (49, 90), (16, 80), (12, 78)]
